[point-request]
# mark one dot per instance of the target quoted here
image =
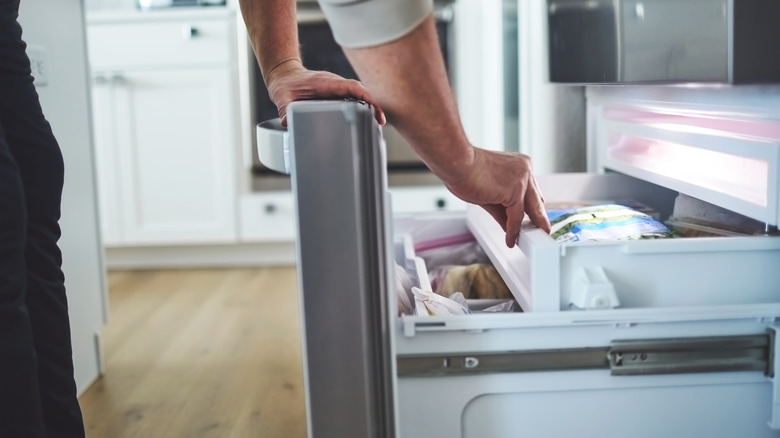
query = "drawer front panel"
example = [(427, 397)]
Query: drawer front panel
[(179, 42), (424, 199), (268, 217)]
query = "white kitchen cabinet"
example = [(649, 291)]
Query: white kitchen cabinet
[(164, 126), (267, 217)]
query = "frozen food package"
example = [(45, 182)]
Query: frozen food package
[(438, 305), (604, 223), (458, 253), (475, 281), (403, 291), (633, 204), (509, 306)]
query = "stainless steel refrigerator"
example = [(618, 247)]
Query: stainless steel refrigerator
[(642, 338)]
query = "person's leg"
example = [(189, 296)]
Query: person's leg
[(40, 164), (20, 408)]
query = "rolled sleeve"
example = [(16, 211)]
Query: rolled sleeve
[(364, 23)]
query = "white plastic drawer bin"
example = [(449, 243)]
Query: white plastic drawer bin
[(548, 276)]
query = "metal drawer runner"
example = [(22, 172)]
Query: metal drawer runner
[(622, 357)]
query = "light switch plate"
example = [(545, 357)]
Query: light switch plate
[(38, 64)]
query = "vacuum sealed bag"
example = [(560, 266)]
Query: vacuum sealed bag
[(603, 223)]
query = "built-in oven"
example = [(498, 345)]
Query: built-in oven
[(321, 52)]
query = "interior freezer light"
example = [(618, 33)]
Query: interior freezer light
[(740, 177)]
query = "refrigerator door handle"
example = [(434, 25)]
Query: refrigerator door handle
[(273, 146), (337, 165)]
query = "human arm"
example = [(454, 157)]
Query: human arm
[(407, 76), (273, 32)]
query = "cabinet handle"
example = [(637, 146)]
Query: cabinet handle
[(441, 203), (189, 31), (118, 79), (112, 79), (270, 208)]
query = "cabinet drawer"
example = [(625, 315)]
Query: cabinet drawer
[(161, 43), (424, 199), (268, 217)]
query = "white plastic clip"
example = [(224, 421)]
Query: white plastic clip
[(593, 290)]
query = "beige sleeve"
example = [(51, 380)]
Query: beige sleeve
[(364, 23)]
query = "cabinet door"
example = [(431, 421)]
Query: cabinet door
[(175, 156), (104, 132)]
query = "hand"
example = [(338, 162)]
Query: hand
[(290, 82), (503, 184)]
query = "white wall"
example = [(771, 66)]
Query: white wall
[(552, 117), (478, 71), (57, 26)]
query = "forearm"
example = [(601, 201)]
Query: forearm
[(418, 102), (273, 32)]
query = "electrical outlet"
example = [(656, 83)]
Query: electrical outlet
[(38, 64)]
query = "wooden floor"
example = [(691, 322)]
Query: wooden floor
[(200, 353)]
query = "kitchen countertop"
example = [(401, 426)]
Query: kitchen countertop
[(108, 16)]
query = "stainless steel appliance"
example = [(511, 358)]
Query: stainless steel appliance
[(321, 52), (641, 41), (689, 351), (687, 347)]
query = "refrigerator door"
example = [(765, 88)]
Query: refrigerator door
[(337, 166)]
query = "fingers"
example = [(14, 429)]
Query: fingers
[(379, 115), (506, 217), (498, 212), (283, 115), (510, 220), (514, 218), (535, 204), (310, 85), (348, 88), (510, 217)]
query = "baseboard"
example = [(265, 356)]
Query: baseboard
[(234, 255)]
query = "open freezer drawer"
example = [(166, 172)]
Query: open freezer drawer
[(548, 276), (672, 369), (703, 369)]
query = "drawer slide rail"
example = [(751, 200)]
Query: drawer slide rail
[(622, 358)]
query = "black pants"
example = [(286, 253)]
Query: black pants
[(37, 390)]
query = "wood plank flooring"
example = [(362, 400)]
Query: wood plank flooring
[(200, 353)]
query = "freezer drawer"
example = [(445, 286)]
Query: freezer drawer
[(682, 371), (547, 276), (685, 360)]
